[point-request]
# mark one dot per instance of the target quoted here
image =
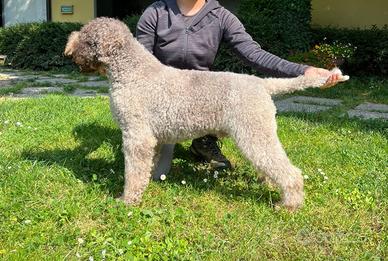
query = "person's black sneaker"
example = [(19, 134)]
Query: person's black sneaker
[(207, 149)]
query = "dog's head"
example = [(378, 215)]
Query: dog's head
[(96, 42), (83, 54)]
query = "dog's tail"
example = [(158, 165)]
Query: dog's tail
[(287, 85)]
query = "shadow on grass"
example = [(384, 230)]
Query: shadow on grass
[(336, 121), (109, 173)]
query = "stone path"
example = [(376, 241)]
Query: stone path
[(35, 85), (369, 111), (306, 104), (365, 111)]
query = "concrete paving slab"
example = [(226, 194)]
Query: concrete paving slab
[(368, 115), (94, 78), (306, 104), (94, 84), (315, 100), (5, 83), (373, 107), (16, 77), (41, 90), (60, 75), (370, 111), (84, 93), (55, 80)]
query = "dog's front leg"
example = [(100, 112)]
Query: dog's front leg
[(138, 151)]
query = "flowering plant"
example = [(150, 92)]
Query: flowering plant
[(335, 54)]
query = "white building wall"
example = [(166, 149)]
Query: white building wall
[(24, 11)]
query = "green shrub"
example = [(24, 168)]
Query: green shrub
[(131, 22), (10, 37), (371, 55), (309, 58), (326, 55), (37, 45), (281, 27)]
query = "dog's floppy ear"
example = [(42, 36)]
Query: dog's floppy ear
[(72, 43)]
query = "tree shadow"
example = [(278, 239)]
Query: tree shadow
[(336, 122), (109, 173), (100, 170)]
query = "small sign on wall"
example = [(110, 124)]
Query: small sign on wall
[(67, 9)]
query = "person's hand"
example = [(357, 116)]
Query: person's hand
[(332, 78)]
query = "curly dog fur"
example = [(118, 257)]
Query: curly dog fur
[(156, 104)]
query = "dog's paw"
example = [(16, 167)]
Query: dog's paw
[(129, 201), (290, 208), (267, 182), (291, 201)]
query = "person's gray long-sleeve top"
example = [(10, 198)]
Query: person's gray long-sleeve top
[(163, 31)]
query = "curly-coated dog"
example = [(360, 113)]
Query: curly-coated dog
[(156, 104)]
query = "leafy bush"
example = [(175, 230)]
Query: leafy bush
[(334, 54), (326, 55), (281, 27), (131, 22), (36, 45), (10, 37), (309, 58), (371, 55)]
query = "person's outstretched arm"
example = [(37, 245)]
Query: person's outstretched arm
[(250, 51)]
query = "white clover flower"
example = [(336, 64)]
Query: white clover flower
[(19, 124), (183, 182), (91, 258), (205, 180), (121, 252), (27, 221), (6, 122), (215, 176), (326, 177), (163, 177), (103, 252), (80, 241), (306, 177), (129, 243), (78, 255)]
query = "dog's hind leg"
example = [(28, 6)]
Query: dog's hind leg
[(257, 139), (139, 151)]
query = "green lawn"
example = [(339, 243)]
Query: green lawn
[(61, 169)]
